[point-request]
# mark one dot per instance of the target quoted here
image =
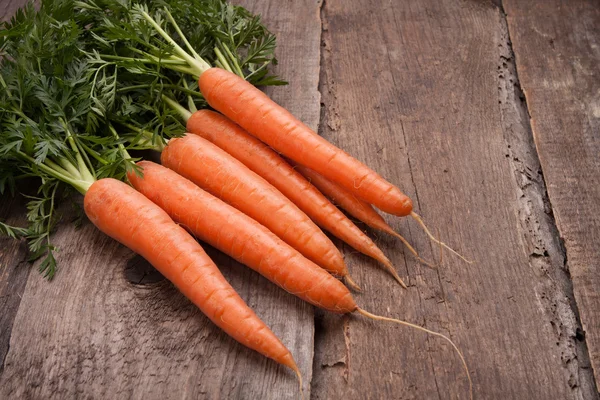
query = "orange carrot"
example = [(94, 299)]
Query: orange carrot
[(364, 212), (261, 159), (225, 177), (251, 243), (262, 117), (356, 207), (132, 219), (238, 235)]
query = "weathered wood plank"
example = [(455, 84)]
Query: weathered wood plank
[(557, 48), (94, 333), (14, 270), (9, 7), (297, 25), (413, 89)]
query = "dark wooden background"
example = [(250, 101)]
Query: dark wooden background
[(485, 112)]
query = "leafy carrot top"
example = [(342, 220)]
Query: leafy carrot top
[(82, 83)]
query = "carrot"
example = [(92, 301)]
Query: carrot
[(262, 117), (356, 207), (225, 177), (132, 219), (254, 111), (261, 159), (236, 234), (251, 243), (364, 212)]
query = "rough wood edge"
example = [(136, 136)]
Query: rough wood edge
[(567, 320)]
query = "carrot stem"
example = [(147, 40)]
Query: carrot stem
[(91, 171), (148, 138), (3, 83), (419, 220), (164, 86), (223, 61), (191, 105), (236, 66), (219, 64), (81, 185), (185, 70), (152, 60), (181, 35), (66, 169), (182, 111), (198, 65), (173, 62), (94, 154), (401, 322), (257, 70), (84, 172), (124, 151)]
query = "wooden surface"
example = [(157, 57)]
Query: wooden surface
[(557, 48), (93, 333), (427, 93), (14, 271), (421, 105)]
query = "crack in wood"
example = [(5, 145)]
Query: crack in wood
[(345, 360), (547, 254), (14, 272), (347, 345)]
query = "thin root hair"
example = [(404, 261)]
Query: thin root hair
[(419, 220), (401, 322)]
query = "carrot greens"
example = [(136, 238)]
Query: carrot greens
[(216, 33), (81, 85), (48, 126)]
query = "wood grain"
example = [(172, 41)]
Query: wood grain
[(412, 89), (557, 48), (14, 270), (426, 92), (9, 7), (92, 333)]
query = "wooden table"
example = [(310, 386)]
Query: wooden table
[(485, 112)]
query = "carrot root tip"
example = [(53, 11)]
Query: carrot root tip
[(412, 249), (299, 375), (392, 270), (350, 282), (419, 220), (420, 328)]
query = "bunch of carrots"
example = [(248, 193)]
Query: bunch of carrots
[(238, 171)]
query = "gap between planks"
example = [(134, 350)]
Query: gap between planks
[(547, 251)]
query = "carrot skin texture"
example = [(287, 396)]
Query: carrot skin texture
[(223, 176), (127, 215), (356, 207), (133, 220), (263, 118), (242, 238), (261, 159)]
